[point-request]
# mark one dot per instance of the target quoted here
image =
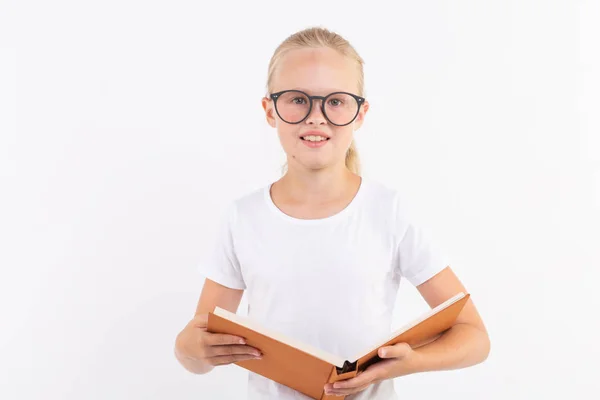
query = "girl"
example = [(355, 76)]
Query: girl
[(324, 235)]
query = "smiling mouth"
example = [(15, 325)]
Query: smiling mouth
[(315, 139)]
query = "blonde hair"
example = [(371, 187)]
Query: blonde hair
[(320, 37)]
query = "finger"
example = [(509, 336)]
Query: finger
[(346, 392), (213, 351), (399, 350), (218, 339), (223, 360), (365, 378)]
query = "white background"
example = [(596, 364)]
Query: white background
[(127, 127)]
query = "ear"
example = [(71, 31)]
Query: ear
[(268, 106), (361, 115)]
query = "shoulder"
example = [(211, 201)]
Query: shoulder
[(376, 190), (390, 206), (384, 196), (248, 204)]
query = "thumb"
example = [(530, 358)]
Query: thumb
[(399, 350), (199, 321)]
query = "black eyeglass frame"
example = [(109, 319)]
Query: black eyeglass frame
[(274, 96)]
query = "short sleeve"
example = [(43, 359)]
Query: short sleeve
[(221, 263), (419, 257)]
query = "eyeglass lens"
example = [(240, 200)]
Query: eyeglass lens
[(294, 106)]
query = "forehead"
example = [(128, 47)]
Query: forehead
[(316, 71)]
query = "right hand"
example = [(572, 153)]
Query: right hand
[(198, 345)]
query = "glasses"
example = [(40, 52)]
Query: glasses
[(339, 108)]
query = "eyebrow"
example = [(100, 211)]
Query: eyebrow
[(326, 91)]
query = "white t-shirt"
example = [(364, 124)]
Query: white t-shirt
[(295, 270)]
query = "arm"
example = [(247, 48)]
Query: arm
[(214, 294), (188, 340), (465, 344)]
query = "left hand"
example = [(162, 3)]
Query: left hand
[(396, 359)]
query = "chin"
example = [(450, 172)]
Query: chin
[(317, 163), (318, 166)]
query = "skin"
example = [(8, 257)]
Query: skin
[(318, 184)]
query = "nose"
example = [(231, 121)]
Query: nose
[(316, 114)]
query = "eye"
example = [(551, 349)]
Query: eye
[(335, 102), (298, 98)]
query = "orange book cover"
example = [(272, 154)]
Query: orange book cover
[(306, 368)]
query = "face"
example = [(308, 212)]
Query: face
[(317, 72)]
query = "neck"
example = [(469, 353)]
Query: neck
[(318, 186)]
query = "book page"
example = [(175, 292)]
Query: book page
[(413, 323), (248, 323)]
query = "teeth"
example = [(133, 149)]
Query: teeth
[(314, 138)]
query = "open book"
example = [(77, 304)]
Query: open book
[(307, 369)]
